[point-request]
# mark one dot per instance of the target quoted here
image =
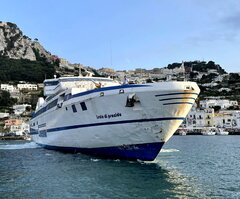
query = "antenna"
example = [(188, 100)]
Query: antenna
[(111, 54)]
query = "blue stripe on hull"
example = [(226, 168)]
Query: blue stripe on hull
[(182, 93), (146, 152), (112, 123), (34, 131)]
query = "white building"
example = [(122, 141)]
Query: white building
[(198, 118), (27, 86), (209, 103), (224, 89), (20, 108), (7, 87), (223, 120), (212, 84), (236, 120), (227, 119), (16, 126), (4, 115)]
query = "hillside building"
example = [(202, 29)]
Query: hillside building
[(27, 86), (20, 108), (8, 87), (224, 104)]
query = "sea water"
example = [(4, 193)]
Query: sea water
[(187, 167)]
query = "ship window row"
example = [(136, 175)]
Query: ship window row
[(52, 104), (33, 124), (82, 104), (44, 109), (67, 97), (52, 83)]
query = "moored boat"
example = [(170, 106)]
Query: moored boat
[(182, 132), (220, 131), (208, 131)]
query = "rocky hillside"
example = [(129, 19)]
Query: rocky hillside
[(14, 44), (198, 66)]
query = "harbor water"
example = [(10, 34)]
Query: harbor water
[(187, 167)]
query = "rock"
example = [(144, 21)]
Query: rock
[(15, 45)]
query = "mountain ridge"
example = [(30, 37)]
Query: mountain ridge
[(14, 44)]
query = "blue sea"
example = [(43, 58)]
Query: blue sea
[(187, 167)]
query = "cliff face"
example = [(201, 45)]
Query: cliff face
[(16, 45)]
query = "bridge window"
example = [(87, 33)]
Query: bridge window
[(74, 108), (83, 105), (52, 83)]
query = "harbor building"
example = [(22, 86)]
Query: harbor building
[(206, 117), (17, 126), (198, 118)]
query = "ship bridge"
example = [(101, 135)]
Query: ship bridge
[(55, 86)]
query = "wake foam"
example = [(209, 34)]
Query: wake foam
[(30, 145), (169, 150)]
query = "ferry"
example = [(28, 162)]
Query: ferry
[(102, 117)]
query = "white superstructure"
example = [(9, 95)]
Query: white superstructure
[(102, 117)]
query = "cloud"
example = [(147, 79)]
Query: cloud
[(232, 21), (206, 38)]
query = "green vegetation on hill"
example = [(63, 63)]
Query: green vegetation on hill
[(6, 100), (200, 66), (208, 78), (234, 78), (25, 70), (232, 83)]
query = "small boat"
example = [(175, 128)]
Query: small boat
[(182, 132), (208, 131), (220, 131)]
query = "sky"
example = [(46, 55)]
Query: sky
[(129, 34)]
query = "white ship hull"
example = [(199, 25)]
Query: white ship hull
[(100, 122)]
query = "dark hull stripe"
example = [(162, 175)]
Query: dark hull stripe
[(108, 123), (185, 93), (177, 103), (112, 123), (176, 98)]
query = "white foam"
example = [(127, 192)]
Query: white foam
[(95, 160), (155, 161), (169, 150), (29, 145)]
